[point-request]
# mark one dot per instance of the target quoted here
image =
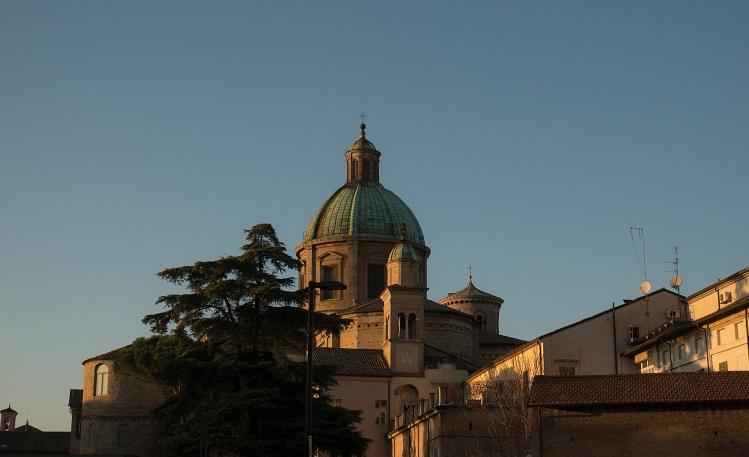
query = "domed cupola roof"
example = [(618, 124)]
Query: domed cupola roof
[(403, 252), (470, 293), (363, 207)]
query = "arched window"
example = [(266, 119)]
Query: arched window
[(411, 326), (101, 380), (354, 170), (387, 325), (123, 435), (401, 326), (365, 170), (482, 321), (90, 439)]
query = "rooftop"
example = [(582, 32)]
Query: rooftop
[(471, 292), (32, 441), (640, 389), (352, 362), (75, 400)]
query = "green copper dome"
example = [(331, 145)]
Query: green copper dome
[(403, 252), (364, 209)]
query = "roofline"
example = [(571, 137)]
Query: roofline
[(743, 272), (370, 238), (617, 307), (689, 326), (505, 356), (686, 327), (452, 355), (540, 338)]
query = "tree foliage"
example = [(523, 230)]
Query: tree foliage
[(222, 348)]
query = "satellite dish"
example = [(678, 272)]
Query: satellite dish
[(676, 281), (645, 287)]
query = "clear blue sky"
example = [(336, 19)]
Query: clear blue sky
[(526, 136)]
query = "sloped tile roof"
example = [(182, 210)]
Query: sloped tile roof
[(640, 389), (471, 292), (9, 410), (111, 355), (352, 362), (75, 400), (26, 428), (434, 307), (493, 338), (47, 442)]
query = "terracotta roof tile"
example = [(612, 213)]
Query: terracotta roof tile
[(352, 362), (47, 442), (640, 389), (111, 355)]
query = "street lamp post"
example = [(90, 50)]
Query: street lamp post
[(311, 286)]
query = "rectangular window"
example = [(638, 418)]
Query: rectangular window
[(698, 345), (737, 333), (329, 273), (375, 280), (721, 336), (665, 357), (723, 366), (566, 371), (682, 351), (634, 333)]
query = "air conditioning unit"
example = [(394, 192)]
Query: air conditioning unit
[(725, 297)]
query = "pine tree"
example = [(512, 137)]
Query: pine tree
[(223, 350)]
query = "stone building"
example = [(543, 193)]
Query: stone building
[(111, 415), (402, 352), (421, 370)]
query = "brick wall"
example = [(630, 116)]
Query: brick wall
[(680, 431)]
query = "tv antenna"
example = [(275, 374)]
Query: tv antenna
[(676, 279), (645, 285)]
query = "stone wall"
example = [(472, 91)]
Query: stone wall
[(119, 422), (679, 431)]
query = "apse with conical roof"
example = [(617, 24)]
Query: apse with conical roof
[(351, 235), (483, 306)]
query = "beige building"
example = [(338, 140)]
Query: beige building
[(591, 346), (712, 337)]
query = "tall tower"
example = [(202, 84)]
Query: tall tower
[(403, 310), (8, 419), (350, 237)]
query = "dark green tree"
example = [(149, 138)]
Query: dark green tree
[(224, 348)]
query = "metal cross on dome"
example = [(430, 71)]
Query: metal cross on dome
[(470, 272), (362, 116)]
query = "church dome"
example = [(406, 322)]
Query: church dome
[(364, 208)]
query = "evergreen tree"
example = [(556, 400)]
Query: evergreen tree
[(223, 347)]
